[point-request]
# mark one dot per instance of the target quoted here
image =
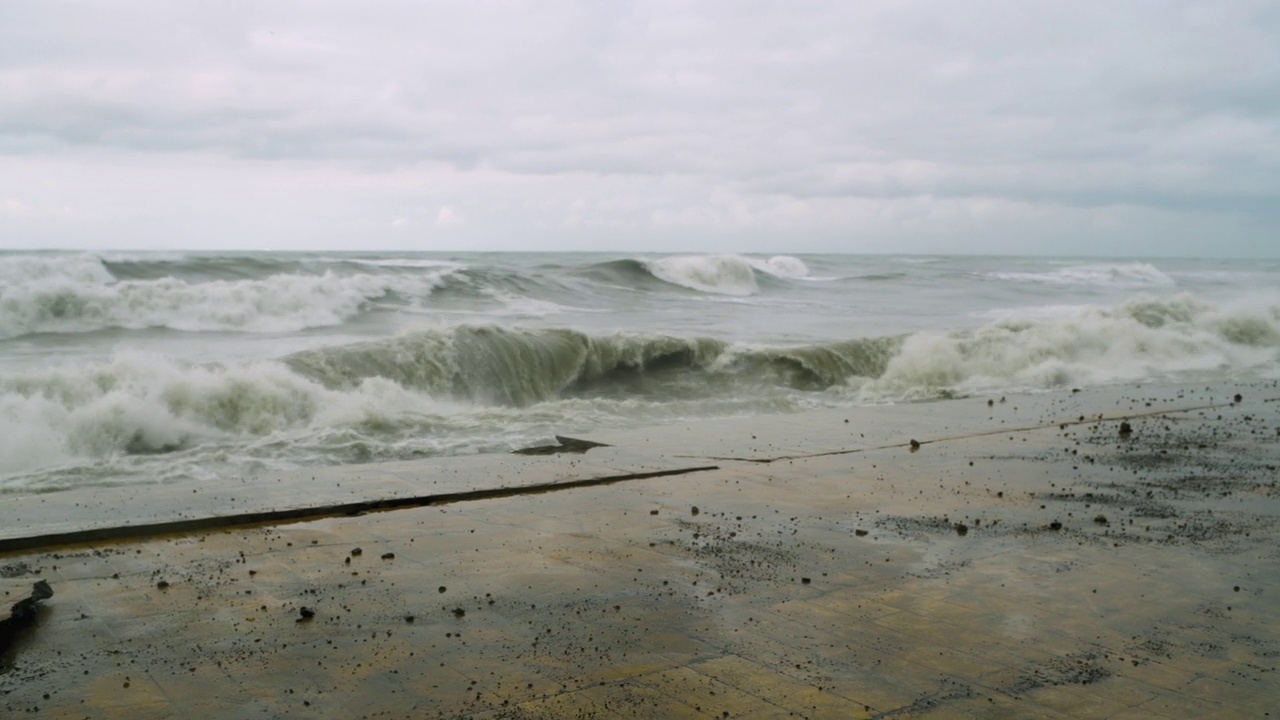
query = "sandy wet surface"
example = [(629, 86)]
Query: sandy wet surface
[(1027, 559)]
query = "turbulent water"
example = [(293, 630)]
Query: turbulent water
[(136, 368)]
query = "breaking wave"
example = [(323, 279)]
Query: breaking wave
[(481, 387), (1146, 338), (1102, 274), (60, 294), (427, 392), (735, 275)]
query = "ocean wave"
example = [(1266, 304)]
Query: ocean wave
[(141, 405), (61, 268), (517, 367), (1103, 274), (79, 295), (1144, 338), (432, 391), (734, 275), (397, 262), (483, 387)]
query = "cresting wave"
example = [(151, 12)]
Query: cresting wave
[(423, 393), (515, 367), (59, 294), (473, 388), (66, 294), (1146, 338), (1101, 274), (713, 274)]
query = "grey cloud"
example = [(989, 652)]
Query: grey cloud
[(1172, 106)]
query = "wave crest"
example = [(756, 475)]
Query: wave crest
[(84, 297), (1142, 339), (723, 274), (1102, 274)]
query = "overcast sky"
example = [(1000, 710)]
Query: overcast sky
[(984, 126)]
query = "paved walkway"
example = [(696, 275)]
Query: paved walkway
[(1018, 563)]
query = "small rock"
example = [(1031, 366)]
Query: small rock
[(442, 589), (962, 529), (1238, 397), (388, 556), (1125, 429), (694, 510), (1055, 525), (860, 532), (459, 612), (305, 613), (915, 445), (356, 552), (805, 581), (1101, 519), (162, 584)]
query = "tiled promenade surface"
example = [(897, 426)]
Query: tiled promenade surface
[(1019, 562)]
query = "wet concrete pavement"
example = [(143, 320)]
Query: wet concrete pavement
[(1027, 559)]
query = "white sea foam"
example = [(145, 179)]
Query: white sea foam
[(719, 274), (1105, 274), (783, 266), (80, 296), (400, 262), (723, 274), (140, 404), (1035, 312), (1145, 338), (523, 306), (61, 269)]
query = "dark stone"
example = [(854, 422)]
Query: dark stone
[(389, 556), (459, 612), (1126, 429), (566, 444), (356, 552), (860, 532), (962, 529), (694, 510), (305, 613), (162, 584), (23, 613), (1055, 525)]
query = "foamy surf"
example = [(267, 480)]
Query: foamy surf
[(134, 367), (1106, 274), (723, 274), (41, 295)]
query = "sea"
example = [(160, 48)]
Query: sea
[(134, 368)]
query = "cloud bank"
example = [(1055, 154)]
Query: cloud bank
[(988, 126)]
